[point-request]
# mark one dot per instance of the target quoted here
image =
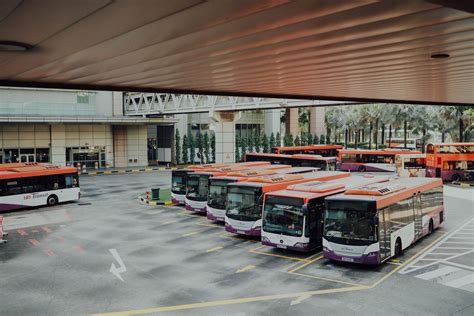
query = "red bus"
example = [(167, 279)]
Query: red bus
[(370, 160), (323, 150), (298, 160), (449, 161)]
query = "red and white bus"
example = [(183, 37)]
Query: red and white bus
[(297, 160), (179, 177), (410, 165), (369, 160), (217, 199), (411, 143), (371, 224), (292, 218), (449, 161), (197, 183), (245, 199), (34, 184), (323, 150)]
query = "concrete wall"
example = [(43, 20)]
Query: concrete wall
[(137, 145)]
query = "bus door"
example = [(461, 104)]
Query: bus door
[(315, 213), (384, 234), (438, 173), (418, 216)]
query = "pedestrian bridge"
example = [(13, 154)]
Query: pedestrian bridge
[(166, 103)]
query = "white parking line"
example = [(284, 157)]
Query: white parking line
[(436, 273), (468, 279)]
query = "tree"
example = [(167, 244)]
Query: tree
[(199, 146), (257, 140), (265, 144), (315, 139), (238, 144), (192, 148), (297, 141), (244, 146), (177, 146), (290, 140), (185, 149), (205, 144), (272, 141), (278, 139), (250, 142), (322, 139), (213, 146), (328, 139)]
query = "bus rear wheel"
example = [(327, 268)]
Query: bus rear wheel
[(362, 169), (52, 200), (456, 178), (398, 248)]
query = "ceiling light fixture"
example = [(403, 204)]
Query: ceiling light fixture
[(12, 46), (440, 55)]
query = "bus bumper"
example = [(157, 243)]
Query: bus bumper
[(372, 258)]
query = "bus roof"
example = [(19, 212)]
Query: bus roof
[(390, 192), (451, 144), (379, 152), (315, 189), (33, 170), (412, 155), (228, 165), (312, 157), (308, 147)]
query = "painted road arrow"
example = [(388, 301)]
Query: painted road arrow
[(300, 299), (246, 268), (121, 269)]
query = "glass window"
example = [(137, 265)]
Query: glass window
[(283, 215), (432, 199), (42, 155), (83, 99)]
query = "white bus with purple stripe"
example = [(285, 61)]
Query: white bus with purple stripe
[(373, 223)]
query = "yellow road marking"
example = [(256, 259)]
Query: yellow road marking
[(246, 268), (255, 250), (229, 302), (169, 222), (214, 249), (327, 279), (304, 265), (208, 225), (190, 234)]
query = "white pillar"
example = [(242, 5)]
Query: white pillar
[(292, 121), (272, 121), (58, 144), (223, 124), (317, 125)]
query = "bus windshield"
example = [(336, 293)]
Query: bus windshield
[(244, 203), (197, 187), (217, 193), (349, 220), (283, 215), (178, 183)]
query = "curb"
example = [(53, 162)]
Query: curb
[(463, 185), (107, 172), (153, 203)]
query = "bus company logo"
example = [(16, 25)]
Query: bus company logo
[(34, 196)]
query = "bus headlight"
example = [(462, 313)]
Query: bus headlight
[(371, 254), (265, 239)]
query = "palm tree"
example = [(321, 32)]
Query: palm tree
[(456, 120), (177, 146), (185, 149)]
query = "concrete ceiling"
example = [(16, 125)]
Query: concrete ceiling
[(349, 50)]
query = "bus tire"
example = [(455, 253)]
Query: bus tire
[(430, 226), (398, 247), (52, 200), (361, 169), (456, 177)]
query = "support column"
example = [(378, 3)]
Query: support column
[(272, 121), (223, 124), (317, 124), (291, 123), (120, 146), (58, 144)]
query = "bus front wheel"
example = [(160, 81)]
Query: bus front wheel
[(362, 169), (456, 178), (52, 200), (398, 247)]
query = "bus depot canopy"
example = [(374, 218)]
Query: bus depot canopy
[(361, 50)]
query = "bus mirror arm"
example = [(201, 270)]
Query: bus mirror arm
[(304, 209)]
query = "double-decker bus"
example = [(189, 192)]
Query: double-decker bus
[(217, 198), (371, 224), (297, 160), (410, 165), (369, 160), (197, 183), (449, 161), (323, 150), (292, 218), (412, 143), (179, 177), (35, 184), (245, 199)]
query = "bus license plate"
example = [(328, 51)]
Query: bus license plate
[(240, 232), (281, 246), (347, 259)]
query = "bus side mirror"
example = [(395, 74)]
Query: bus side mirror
[(304, 209)]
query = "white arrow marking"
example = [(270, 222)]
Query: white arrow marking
[(300, 299), (121, 269)]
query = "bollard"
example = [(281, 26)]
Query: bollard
[(147, 196), (96, 165), (2, 234)]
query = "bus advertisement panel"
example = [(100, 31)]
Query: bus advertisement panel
[(410, 165), (292, 218), (450, 162), (217, 199), (245, 199), (369, 160), (298, 160), (371, 224), (35, 184), (323, 150)]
